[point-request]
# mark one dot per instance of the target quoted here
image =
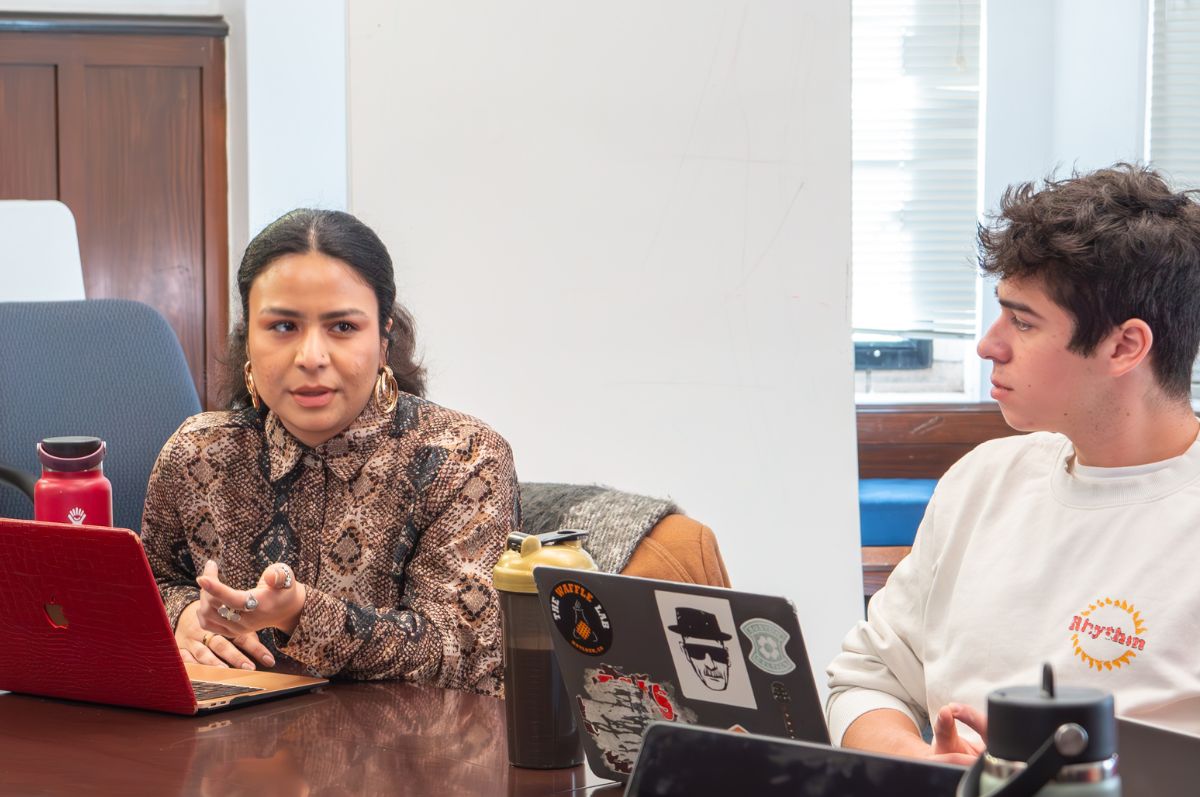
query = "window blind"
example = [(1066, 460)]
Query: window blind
[(915, 123), (1175, 100)]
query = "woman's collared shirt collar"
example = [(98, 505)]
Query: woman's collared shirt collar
[(345, 453)]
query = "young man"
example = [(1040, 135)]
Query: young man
[(1077, 544)]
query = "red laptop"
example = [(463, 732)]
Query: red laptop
[(83, 619)]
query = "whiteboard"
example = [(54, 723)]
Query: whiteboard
[(624, 232)]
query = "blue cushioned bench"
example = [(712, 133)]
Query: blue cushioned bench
[(891, 509), (903, 449)]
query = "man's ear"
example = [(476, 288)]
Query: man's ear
[(1128, 345)]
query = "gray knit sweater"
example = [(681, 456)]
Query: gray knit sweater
[(616, 521)]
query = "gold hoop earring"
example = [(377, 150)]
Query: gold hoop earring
[(387, 390), (249, 377)]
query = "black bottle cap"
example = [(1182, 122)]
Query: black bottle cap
[(71, 447), (1021, 718), (71, 454)]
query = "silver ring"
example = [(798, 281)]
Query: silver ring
[(251, 603), (228, 614), (288, 576)]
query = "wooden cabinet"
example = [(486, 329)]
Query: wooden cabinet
[(123, 120)]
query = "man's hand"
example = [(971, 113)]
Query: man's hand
[(890, 731), (205, 647), (948, 746)]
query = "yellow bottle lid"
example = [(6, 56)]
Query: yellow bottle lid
[(514, 571)]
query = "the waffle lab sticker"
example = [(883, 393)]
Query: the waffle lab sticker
[(619, 706), (707, 655), (580, 618), (768, 646)]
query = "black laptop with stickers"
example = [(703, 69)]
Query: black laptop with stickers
[(634, 651)]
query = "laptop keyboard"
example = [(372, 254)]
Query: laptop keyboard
[(207, 690)]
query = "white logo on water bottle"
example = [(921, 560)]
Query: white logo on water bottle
[(76, 516)]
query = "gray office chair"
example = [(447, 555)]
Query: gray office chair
[(110, 368)]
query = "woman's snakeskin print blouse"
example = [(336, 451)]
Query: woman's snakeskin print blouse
[(394, 527)]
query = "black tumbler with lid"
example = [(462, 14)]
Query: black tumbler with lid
[(542, 732)]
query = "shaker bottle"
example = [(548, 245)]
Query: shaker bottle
[(73, 488), (541, 728), (1047, 742)]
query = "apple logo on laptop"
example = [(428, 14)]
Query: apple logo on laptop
[(56, 615)]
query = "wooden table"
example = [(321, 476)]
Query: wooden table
[(347, 739)]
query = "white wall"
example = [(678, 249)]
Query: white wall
[(624, 232), (1064, 88), (286, 100), (296, 107), (236, 138), (1100, 81)]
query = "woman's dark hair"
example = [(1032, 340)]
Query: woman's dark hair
[(1108, 246), (343, 237)]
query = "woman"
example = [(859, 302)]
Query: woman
[(332, 515)]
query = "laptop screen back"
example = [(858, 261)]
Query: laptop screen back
[(83, 618), (686, 760), (1153, 761)]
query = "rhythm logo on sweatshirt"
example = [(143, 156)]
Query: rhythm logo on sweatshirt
[(1108, 633)]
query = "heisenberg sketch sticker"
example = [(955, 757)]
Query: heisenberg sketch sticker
[(1109, 633), (768, 651), (580, 618), (700, 634), (619, 706)]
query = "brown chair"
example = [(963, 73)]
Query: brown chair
[(631, 534), (679, 548)]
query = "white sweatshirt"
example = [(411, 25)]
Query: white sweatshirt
[(1019, 561)]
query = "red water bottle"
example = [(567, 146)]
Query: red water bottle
[(73, 488)]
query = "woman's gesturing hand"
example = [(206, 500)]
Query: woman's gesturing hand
[(205, 647), (275, 602)]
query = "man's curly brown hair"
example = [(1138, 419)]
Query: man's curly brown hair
[(1108, 246)]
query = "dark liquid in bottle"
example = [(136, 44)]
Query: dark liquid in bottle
[(541, 727)]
